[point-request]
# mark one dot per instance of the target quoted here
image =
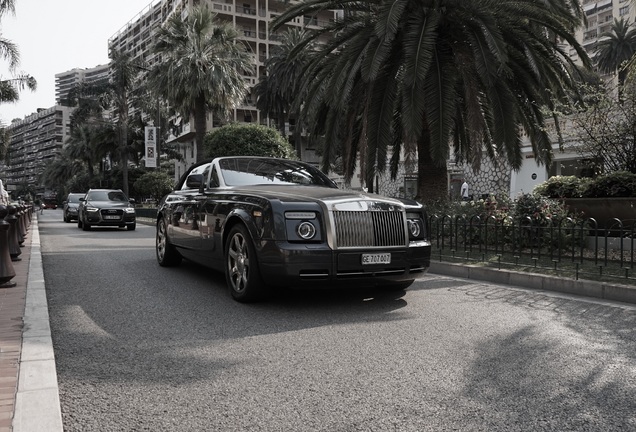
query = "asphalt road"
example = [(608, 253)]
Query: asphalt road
[(139, 347)]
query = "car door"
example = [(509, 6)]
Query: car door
[(186, 216)]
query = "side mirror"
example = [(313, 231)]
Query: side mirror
[(131, 200), (82, 199), (194, 181)]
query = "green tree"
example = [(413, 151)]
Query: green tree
[(154, 184), (277, 88), (119, 139), (615, 48), (422, 77), (247, 140), (603, 131), (201, 67), (10, 88)]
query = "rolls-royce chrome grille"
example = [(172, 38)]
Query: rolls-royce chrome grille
[(369, 228)]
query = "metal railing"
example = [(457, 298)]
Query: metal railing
[(579, 249)]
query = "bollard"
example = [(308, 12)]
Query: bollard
[(14, 245), (20, 225), (7, 272)]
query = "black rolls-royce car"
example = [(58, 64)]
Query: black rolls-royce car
[(269, 222)]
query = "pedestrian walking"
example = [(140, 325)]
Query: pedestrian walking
[(464, 191)]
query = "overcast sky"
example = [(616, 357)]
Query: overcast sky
[(55, 36)]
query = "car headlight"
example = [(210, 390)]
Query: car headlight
[(302, 226), (91, 209), (129, 210), (414, 228), (306, 230)]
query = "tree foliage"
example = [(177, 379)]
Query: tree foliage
[(10, 88), (421, 78), (615, 48), (604, 130), (154, 184), (247, 140), (201, 67)]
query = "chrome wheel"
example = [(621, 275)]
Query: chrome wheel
[(167, 255), (241, 271), (238, 262)]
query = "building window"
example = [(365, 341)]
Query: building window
[(623, 11)]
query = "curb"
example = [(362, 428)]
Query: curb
[(587, 288), (37, 403)]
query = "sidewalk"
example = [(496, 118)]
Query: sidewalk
[(29, 400)]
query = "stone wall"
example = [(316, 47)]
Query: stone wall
[(492, 179)]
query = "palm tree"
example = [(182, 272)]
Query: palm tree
[(201, 67), (277, 89), (122, 78), (93, 99), (82, 145), (615, 48), (10, 88), (424, 76)]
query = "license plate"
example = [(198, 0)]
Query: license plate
[(111, 217), (376, 258)]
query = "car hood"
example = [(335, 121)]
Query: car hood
[(288, 193), (109, 204), (72, 205)]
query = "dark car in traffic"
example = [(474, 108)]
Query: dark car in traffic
[(106, 207), (71, 206), (269, 222)]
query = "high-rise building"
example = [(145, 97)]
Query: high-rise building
[(34, 142), (65, 81), (252, 19)]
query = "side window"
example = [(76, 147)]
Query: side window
[(214, 178), (206, 175)]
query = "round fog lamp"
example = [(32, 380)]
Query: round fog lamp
[(414, 228), (306, 230)]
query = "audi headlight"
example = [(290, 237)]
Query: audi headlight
[(91, 209), (129, 210)]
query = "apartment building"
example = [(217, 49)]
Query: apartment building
[(34, 142), (65, 81), (251, 18)]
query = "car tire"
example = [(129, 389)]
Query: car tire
[(85, 226), (79, 222), (167, 254), (241, 267), (131, 227)]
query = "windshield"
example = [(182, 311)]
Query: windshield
[(75, 198), (254, 171), (107, 196)]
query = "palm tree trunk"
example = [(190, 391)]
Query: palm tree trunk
[(432, 178), (124, 155), (200, 114)]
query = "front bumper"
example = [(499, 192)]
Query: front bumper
[(96, 218), (290, 265)]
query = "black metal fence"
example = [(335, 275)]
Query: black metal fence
[(579, 249)]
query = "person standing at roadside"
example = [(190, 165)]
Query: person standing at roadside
[(464, 191), (4, 195)]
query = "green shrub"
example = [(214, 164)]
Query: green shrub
[(247, 140), (561, 187), (615, 184)]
